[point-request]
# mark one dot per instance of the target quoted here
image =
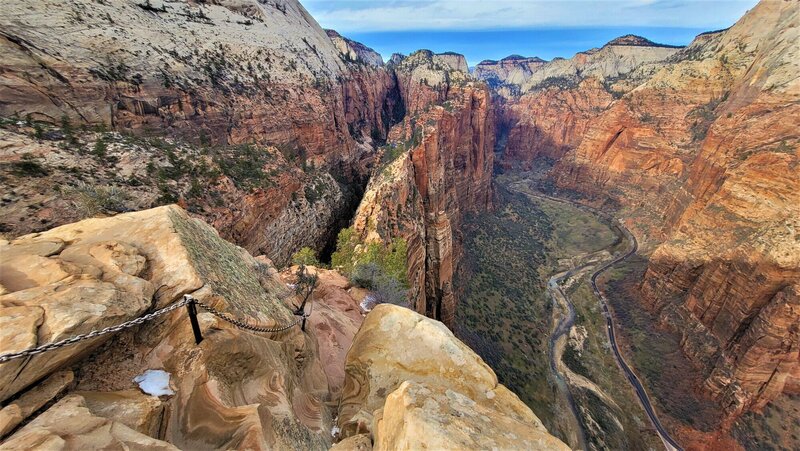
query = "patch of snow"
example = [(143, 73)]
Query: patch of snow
[(368, 303), (335, 431), (154, 382), (292, 285)]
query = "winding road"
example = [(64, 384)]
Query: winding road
[(568, 321), (669, 442)]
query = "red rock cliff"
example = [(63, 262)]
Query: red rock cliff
[(213, 74), (443, 170), (700, 155)]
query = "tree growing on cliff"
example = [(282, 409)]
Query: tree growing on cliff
[(306, 256), (384, 287), (304, 288), (344, 256), (380, 268), (390, 258)]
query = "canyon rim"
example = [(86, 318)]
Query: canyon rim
[(393, 251)]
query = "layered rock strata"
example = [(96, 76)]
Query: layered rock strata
[(436, 167), (697, 150), (507, 75), (217, 74)]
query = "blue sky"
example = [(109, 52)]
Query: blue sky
[(492, 29)]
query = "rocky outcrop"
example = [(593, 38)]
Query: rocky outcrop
[(453, 61), (413, 385), (31, 401), (71, 424), (214, 74), (237, 389), (402, 374), (354, 51), (628, 56), (437, 166), (508, 74), (337, 315), (547, 109)]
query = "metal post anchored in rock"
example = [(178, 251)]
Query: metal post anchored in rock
[(191, 306)]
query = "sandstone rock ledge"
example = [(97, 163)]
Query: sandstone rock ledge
[(412, 384), (405, 383), (236, 390)]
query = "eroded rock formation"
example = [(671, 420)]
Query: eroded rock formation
[(237, 389), (437, 166), (411, 384), (214, 74), (508, 73), (697, 148)]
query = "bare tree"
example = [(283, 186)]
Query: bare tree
[(306, 283)]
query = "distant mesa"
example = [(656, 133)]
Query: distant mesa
[(638, 41), (449, 60), (513, 59), (534, 59)]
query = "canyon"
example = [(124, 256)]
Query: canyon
[(277, 133), (679, 157)]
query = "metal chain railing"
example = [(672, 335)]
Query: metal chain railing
[(187, 301), (243, 325), (93, 334)]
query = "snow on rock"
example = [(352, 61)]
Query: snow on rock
[(154, 382)]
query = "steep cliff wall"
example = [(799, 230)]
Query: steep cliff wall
[(699, 154), (548, 106), (214, 74), (437, 165), (548, 123)]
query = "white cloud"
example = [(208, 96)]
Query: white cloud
[(373, 15)]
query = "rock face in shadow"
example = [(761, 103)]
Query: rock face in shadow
[(237, 389), (414, 385)]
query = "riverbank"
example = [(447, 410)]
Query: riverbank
[(506, 314)]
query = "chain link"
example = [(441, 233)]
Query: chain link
[(93, 334), (142, 319), (242, 324)]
